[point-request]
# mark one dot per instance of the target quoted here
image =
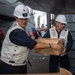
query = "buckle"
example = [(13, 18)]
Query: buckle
[(11, 61)]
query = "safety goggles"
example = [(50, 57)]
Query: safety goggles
[(61, 23)]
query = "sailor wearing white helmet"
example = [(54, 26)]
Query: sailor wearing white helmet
[(17, 43), (59, 31)]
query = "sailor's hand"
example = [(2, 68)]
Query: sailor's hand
[(64, 51)]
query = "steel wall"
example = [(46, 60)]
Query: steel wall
[(71, 53)]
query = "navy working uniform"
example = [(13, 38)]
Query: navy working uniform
[(17, 43), (15, 49), (63, 60)]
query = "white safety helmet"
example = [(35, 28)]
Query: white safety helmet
[(61, 18), (21, 11)]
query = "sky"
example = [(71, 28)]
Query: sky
[(43, 19), (37, 13)]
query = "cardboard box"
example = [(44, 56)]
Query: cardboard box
[(50, 51), (64, 71)]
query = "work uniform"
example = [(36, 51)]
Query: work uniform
[(15, 50), (59, 61)]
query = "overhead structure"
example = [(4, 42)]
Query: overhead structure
[(51, 6), (7, 8)]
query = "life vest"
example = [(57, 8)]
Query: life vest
[(63, 34), (13, 52)]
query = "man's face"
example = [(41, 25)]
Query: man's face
[(60, 26), (22, 22)]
